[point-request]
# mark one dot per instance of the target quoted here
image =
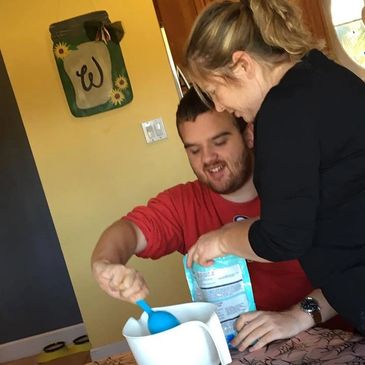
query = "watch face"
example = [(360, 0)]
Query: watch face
[(310, 305)]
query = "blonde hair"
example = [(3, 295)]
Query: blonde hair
[(270, 30)]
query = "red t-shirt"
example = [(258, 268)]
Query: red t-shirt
[(174, 220)]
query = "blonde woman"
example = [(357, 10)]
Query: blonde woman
[(254, 59)]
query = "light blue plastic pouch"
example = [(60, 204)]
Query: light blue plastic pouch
[(227, 284)]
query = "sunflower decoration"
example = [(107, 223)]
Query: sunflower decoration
[(61, 50), (121, 82), (117, 96)]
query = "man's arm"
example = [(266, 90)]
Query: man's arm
[(119, 242), (115, 247)]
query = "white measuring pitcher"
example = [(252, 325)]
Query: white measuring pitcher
[(198, 340)]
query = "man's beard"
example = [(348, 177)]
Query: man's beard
[(244, 169)]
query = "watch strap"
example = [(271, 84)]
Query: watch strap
[(317, 316)]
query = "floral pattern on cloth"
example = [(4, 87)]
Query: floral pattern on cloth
[(311, 347), (123, 359)]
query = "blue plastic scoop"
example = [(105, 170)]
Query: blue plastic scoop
[(158, 321)]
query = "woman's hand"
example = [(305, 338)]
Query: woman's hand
[(257, 329), (120, 281), (208, 247), (232, 238)]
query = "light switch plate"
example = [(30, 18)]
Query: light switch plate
[(154, 130)]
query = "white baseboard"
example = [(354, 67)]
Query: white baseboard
[(34, 345), (112, 349)]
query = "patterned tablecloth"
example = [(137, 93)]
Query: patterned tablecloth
[(122, 359), (311, 347)]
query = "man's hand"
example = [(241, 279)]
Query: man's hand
[(120, 281)]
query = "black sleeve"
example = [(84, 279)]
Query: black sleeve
[(287, 151)]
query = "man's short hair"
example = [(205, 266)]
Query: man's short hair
[(191, 106)]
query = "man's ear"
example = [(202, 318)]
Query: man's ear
[(243, 64), (249, 136)]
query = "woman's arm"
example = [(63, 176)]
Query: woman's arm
[(232, 238), (257, 329)]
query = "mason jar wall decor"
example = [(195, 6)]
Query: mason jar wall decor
[(90, 63)]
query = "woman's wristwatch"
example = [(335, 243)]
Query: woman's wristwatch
[(311, 306)]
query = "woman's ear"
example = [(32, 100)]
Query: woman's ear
[(243, 64)]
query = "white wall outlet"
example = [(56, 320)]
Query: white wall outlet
[(154, 130)]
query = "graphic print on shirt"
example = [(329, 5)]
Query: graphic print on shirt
[(239, 218)]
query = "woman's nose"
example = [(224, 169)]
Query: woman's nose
[(219, 107)]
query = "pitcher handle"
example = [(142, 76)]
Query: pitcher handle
[(219, 342)]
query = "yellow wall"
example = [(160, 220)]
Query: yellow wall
[(95, 169)]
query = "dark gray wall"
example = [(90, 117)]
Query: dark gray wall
[(36, 295)]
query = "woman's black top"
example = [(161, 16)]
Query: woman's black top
[(310, 176)]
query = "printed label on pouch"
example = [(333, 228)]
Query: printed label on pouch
[(227, 284)]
